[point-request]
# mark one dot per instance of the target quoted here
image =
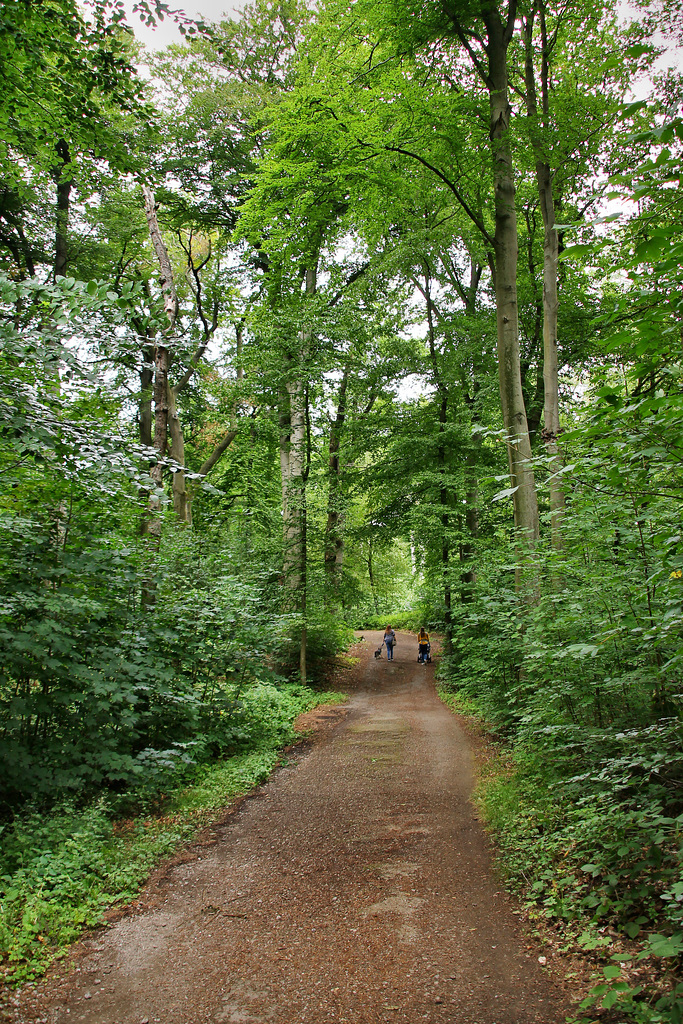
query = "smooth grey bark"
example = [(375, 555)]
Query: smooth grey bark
[(162, 362), (544, 182), (334, 529), (492, 69), (294, 467), (445, 499), (525, 501)]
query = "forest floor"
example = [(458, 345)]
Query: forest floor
[(354, 886)]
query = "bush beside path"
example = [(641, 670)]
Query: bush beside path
[(355, 886)]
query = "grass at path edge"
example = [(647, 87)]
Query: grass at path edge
[(80, 861)]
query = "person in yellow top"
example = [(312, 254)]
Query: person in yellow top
[(422, 645)]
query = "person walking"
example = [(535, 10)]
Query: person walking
[(422, 645), (389, 641)]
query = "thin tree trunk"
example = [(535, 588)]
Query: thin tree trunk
[(290, 521), (334, 538), (151, 522), (64, 186), (294, 457), (551, 407), (304, 459), (206, 468), (505, 250), (145, 425), (371, 577), (181, 506), (151, 525), (145, 402), (239, 345), (441, 462), (468, 576)]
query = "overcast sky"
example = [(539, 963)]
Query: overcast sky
[(167, 32), (215, 10)]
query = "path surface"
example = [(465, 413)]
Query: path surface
[(354, 887)]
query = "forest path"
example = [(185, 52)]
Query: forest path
[(353, 887)]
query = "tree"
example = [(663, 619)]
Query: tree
[(83, 102)]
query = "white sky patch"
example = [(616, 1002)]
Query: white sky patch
[(671, 58), (167, 31), (412, 387)]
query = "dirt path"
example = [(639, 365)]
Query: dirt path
[(353, 887)]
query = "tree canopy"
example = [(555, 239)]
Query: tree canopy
[(339, 315)]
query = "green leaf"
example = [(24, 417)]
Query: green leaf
[(507, 493), (578, 251), (666, 945)]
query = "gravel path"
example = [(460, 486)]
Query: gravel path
[(353, 887)]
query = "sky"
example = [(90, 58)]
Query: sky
[(215, 10), (167, 32)]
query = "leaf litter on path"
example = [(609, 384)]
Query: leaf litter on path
[(364, 891)]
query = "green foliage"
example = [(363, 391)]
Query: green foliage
[(583, 679), (410, 620), (353, 141), (60, 871), (327, 635)]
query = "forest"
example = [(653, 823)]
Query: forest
[(331, 315)]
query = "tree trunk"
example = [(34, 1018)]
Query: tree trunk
[(505, 252), (151, 525), (468, 576), (168, 291), (145, 402), (294, 458), (551, 407), (441, 463), (64, 186), (334, 537), (371, 577), (292, 445), (311, 286), (297, 507), (145, 426), (206, 468), (181, 505)]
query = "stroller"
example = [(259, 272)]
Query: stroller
[(427, 659)]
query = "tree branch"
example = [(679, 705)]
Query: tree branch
[(218, 451), (478, 223), (511, 19), (208, 331), (349, 281), (168, 291), (474, 57)]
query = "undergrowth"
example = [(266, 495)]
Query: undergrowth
[(60, 871), (599, 860)]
